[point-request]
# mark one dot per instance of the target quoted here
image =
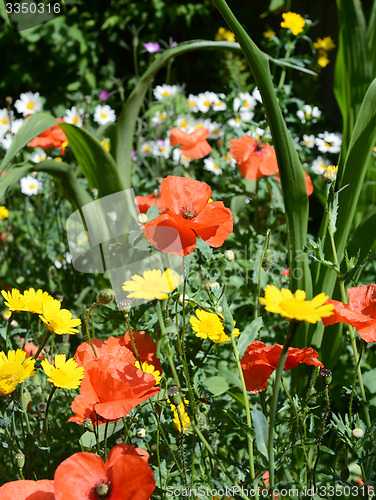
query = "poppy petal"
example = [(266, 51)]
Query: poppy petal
[(182, 193), (241, 149), (215, 212), (131, 477), (28, 490)]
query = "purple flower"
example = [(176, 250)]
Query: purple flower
[(104, 95), (152, 47), (174, 44)]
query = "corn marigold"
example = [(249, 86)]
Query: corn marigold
[(65, 374), (294, 22), (58, 320), (181, 418), (14, 369), (209, 326), (152, 284)]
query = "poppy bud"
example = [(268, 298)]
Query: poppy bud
[(229, 255), (267, 260), (64, 349), (41, 407), (20, 460), (211, 285), (106, 296), (330, 174), (326, 376), (142, 219), (125, 305), (88, 424), (173, 395)]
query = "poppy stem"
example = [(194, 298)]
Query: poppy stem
[(87, 326), (43, 343), (293, 325), (247, 410), (10, 319), (45, 427)]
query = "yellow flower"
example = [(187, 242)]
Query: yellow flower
[(14, 369), (58, 320), (209, 326), (224, 34), (152, 285), (34, 300), (323, 59), (14, 300), (330, 174), (4, 212), (181, 417), (65, 374), (326, 44), (106, 144), (269, 34), (145, 367), (294, 22), (294, 306)]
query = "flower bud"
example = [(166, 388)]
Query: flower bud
[(26, 399), (326, 376), (125, 306), (106, 296), (267, 260), (186, 298), (41, 407), (229, 255), (88, 424), (330, 174), (211, 285), (142, 219), (20, 460), (9, 100), (358, 433), (173, 395)]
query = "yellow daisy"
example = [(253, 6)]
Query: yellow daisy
[(3, 212), (65, 374), (14, 300), (34, 300), (294, 22), (145, 367), (325, 44), (184, 419), (152, 284), (224, 34), (14, 369), (294, 306), (58, 320), (209, 326)]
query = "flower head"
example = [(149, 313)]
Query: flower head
[(194, 144), (145, 202), (65, 374), (209, 326), (14, 300), (27, 489), (152, 284), (323, 59), (30, 185), (360, 312), (3, 212), (58, 320), (259, 362), (74, 116), (325, 43), (294, 306), (104, 95), (189, 216), (163, 92), (28, 103), (224, 34), (145, 367), (254, 159), (152, 47), (294, 22), (53, 137), (14, 369), (181, 418), (34, 300), (104, 114)]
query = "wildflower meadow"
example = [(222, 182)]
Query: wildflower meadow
[(187, 250)]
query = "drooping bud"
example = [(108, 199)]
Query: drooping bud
[(106, 296)]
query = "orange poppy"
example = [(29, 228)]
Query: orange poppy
[(27, 490), (53, 137), (112, 385), (307, 181), (260, 361), (30, 349), (126, 474), (193, 145), (360, 312), (254, 159), (189, 216), (145, 202)]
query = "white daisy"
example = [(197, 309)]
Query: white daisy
[(308, 141), (192, 103), (162, 149), (162, 92), (183, 122), (212, 166), (16, 125), (179, 159), (256, 95), (30, 185), (220, 105), (308, 113), (104, 114), (329, 142), (28, 103), (74, 116), (319, 165), (244, 103), (5, 120), (216, 130), (147, 148), (235, 122), (6, 140), (258, 134), (38, 155), (229, 160), (159, 118), (206, 100)]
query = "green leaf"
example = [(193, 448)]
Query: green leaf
[(227, 316), (262, 431), (248, 335), (216, 385)]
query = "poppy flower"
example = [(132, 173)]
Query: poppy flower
[(360, 312), (126, 474), (145, 202), (260, 361), (189, 216), (112, 385), (308, 182), (28, 490), (53, 137), (30, 349), (193, 145), (254, 159)]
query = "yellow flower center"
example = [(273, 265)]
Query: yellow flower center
[(30, 105), (165, 93), (103, 115), (76, 120), (4, 121), (184, 123)]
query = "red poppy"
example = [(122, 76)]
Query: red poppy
[(126, 474), (286, 272), (260, 361), (193, 145), (189, 215), (254, 159), (145, 202), (112, 385), (53, 137), (307, 181), (30, 349), (28, 490), (359, 313)]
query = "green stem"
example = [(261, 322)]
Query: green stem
[(273, 406), (283, 73), (43, 343), (10, 319), (87, 326), (247, 409), (45, 426), (265, 247)]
